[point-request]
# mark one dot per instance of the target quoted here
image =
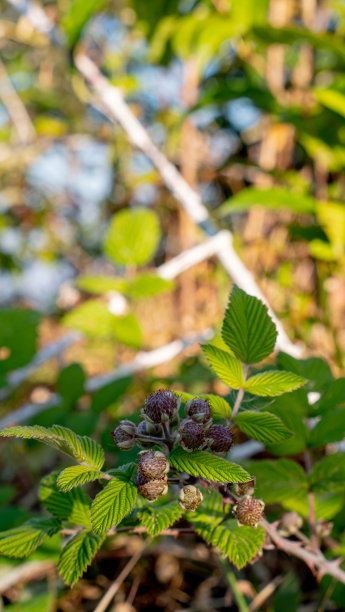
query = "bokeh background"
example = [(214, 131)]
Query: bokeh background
[(247, 99)]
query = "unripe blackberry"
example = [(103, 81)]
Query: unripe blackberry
[(161, 407), (153, 464), (191, 435), (124, 435), (190, 498), (219, 439), (323, 528), (245, 488), (151, 489), (289, 524), (249, 511), (199, 410), (147, 429)]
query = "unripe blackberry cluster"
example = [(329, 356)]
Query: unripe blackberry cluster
[(160, 416)]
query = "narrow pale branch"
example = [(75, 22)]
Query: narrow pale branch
[(118, 110), (312, 559), (143, 360), (16, 377), (148, 359), (16, 109)]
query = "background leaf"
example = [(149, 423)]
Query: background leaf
[(262, 426), (77, 475), (133, 236)]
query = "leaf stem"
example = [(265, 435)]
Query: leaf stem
[(231, 578), (240, 394)]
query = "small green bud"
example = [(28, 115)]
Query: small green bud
[(190, 498)]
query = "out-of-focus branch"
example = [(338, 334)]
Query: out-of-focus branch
[(312, 559), (16, 109), (118, 110), (148, 359), (143, 361), (16, 377)]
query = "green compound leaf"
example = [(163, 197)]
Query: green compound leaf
[(112, 504), (133, 236), (328, 474), (247, 328), (220, 408), (274, 383), (200, 463), (240, 544), (157, 518), (77, 555), (22, 541), (73, 506), (228, 368), (278, 480), (262, 426), (77, 475), (81, 448)]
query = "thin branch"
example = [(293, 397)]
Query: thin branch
[(31, 570), (312, 559), (148, 359), (16, 377), (118, 110), (113, 589), (16, 109), (143, 361)]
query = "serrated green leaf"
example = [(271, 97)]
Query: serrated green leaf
[(247, 328), (157, 518), (273, 383), (22, 541), (240, 544), (133, 236), (314, 369), (77, 475), (262, 426), (328, 474), (228, 368), (291, 409), (77, 555), (220, 408), (273, 198), (82, 448), (112, 504), (200, 463), (333, 396), (278, 480), (73, 506)]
